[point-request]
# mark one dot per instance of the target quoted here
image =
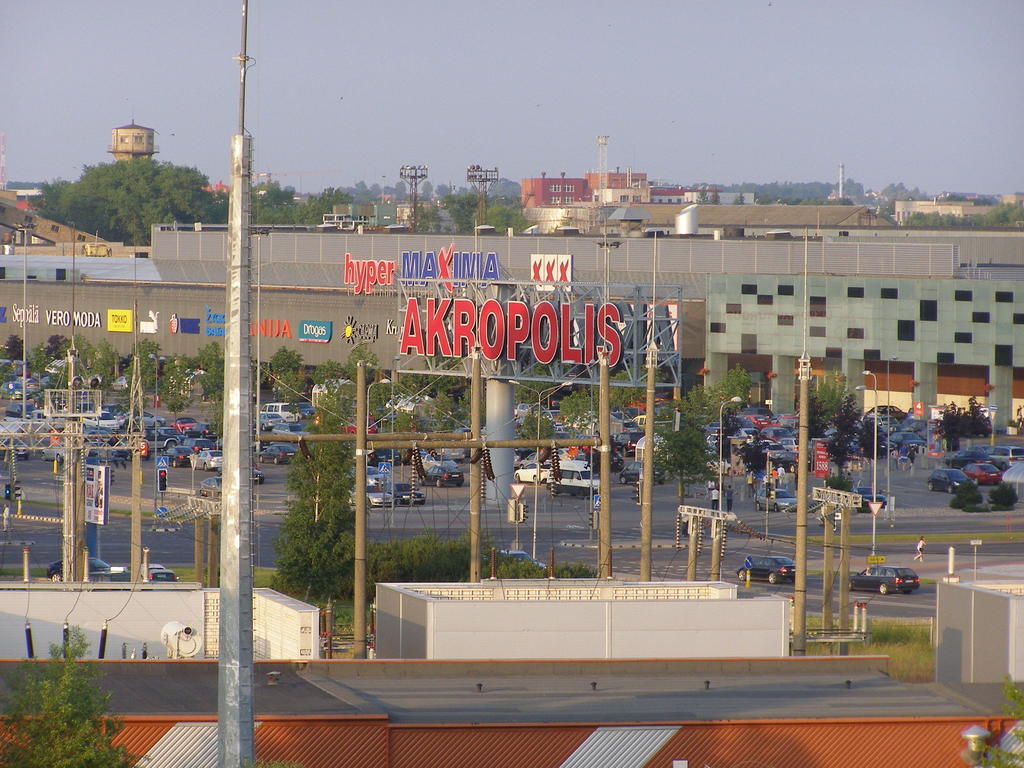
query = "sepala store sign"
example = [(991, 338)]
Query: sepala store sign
[(454, 327)]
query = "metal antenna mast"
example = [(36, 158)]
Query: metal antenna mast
[(481, 179), (235, 727)]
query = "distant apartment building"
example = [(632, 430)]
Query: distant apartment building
[(904, 209), (554, 190)]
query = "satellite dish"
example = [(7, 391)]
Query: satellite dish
[(180, 640)]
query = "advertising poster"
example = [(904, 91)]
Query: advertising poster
[(97, 483)]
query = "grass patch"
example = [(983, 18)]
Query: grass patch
[(261, 577), (908, 646)]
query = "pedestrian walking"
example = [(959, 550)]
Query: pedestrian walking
[(920, 550), (728, 498), (715, 496)]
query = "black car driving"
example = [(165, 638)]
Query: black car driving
[(405, 495), (773, 569), (884, 579)]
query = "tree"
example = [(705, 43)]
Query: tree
[(316, 544), (286, 370), (14, 346), (845, 419), (951, 427), (577, 412), (685, 456), (176, 385), (56, 714), (831, 392), (122, 201)]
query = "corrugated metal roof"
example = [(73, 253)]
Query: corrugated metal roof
[(624, 747), (185, 744), (324, 745), (491, 746), (142, 736)]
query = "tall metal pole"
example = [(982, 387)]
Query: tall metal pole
[(359, 587), (235, 710), (136, 426), (874, 453), (475, 489), (828, 571), (647, 487), (800, 585), (888, 452), (604, 532)]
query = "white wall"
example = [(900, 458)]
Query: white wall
[(411, 625)]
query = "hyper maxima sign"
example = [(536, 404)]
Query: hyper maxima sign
[(453, 268), (454, 327)]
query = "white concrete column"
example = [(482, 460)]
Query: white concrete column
[(1001, 396), (927, 377), (501, 425), (783, 385)]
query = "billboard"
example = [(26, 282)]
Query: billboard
[(97, 484)]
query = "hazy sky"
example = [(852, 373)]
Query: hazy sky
[(926, 92)]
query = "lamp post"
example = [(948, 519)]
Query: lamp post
[(157, 359), (874, 462), (536, 470), (721, 431), (888, 453), (386, 380)]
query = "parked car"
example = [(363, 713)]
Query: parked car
[(257, 476), (984, 473), (865, 497), (528, 473), (209, 460), (626, 441), (199, 444), (378, 498), (178, 456), (405, 495), (784, 500), (98, 570), (633, 470), (183, 424), (904, 439), (961, 459), (267, 421), (211, 487), (518, 554), (14, 410), (947, 480), (445, 474), (885, 579), (289, 428), (158, 572), (1008, 452), (772, 568), (276, 453), (164, 437)]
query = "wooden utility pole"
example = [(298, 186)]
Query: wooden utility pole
[(647, 485), (359, 587)]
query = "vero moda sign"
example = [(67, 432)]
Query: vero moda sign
[(317, 331)]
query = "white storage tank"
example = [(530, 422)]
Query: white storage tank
[(686, 221)]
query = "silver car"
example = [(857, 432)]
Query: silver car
[(209, 460)]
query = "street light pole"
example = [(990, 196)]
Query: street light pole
[(874, 463), (721, 431), (888, 453)]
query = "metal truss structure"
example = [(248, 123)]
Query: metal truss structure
[(638, 304)]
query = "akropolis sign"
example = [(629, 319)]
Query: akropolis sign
[(454, 327)]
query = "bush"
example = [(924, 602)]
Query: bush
[(838, 482), (967, 495), (1002, 497)]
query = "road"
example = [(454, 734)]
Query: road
[(562, 524)]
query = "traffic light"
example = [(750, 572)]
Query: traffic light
[(7, 490), (636, 492), (161, 479), (512, 514)]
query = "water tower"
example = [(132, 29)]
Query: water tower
[(131, 141)]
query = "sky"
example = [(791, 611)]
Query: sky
[(922, 92)]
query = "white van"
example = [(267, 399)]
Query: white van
[(284, 410), (577, 479)]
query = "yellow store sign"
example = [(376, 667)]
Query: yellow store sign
[(119, 320)]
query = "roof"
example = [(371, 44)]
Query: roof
[(629, 214), (783, 216), (131, 126)]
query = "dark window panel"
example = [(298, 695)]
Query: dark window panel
[(785, 319), (872, 354), (855, 292), (929, 309), (748, 343), (748, 289), (855, 333), (1004, 297), (817, 330), (962, 337), (718, 327), (963, 295), (733, 309), (785, 290), (945, 358), (1004, 354), (890, 293), (980, 317), (834, 353), (905, 330)]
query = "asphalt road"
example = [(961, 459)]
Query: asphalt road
[(561, 524)]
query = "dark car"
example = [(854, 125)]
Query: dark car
[(885, 579), (984, 473), (946, 480), (444, 475), (164, 437), (865, 497), (783, 501), (626, 441), (178, 456), (257, 476), (276, 453), (961, 459), (405, 495), (98, 570), (197, 444), (773, 569), (632, 471), (210, 487)]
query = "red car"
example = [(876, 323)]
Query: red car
[(184, 424), (983, 473)]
